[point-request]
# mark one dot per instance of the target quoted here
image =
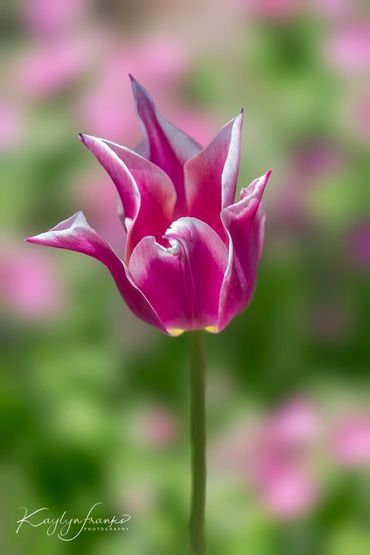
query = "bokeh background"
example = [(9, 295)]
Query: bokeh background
[(93, 403)]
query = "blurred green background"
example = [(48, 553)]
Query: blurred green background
[(93, 403)]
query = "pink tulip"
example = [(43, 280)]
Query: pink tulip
[(29, 286), (273, 456), (332, 9), (51, 67), (348, 48), (157, 427), (287, 490), (100, 200), (273, 10), (360, 246), (294, 425), (352, 441), (106, 107), (191, 252), (50, 17), (285, 482)]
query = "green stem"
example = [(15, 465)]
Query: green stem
[(198, 444)]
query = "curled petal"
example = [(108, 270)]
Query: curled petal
[(75, 234), (244, 225), (146, 194), (182, 282), (164, 144), (211, 175)]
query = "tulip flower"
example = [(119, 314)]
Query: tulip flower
[(30, 289), (352, 441), (191, 252)]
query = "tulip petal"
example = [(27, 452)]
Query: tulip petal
[(244, 225), (165, 145), (211, 176), (146, 193), (75, 234), (182, 282)]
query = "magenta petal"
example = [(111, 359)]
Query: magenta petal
[(147, 195), (211, 176), (182, 282), (75, 234), (244, 225), (165, 145), (157, 271)]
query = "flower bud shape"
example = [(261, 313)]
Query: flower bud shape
[(191, 251)]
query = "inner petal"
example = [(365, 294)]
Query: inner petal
[(182, 282)]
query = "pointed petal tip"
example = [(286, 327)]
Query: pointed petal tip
[(134, 82), (86, 139), (35, 240), (264, 177), (239, 117), (237, 121), (89, 140), (137, 87)]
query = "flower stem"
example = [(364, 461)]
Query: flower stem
[(198, 444)]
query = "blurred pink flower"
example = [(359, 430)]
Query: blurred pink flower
[(11, 124), (280, 459), (316, 159), (352, 441), (274, 456), (106, 109), (332, 8), (348, 47), (294, 425), (161, 60), (29, 286), (51, 17), (274, 10), (310, 164), (359, 245), (52, 66), (287, 491), (94, 192), (193, 122), (157, 427)]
